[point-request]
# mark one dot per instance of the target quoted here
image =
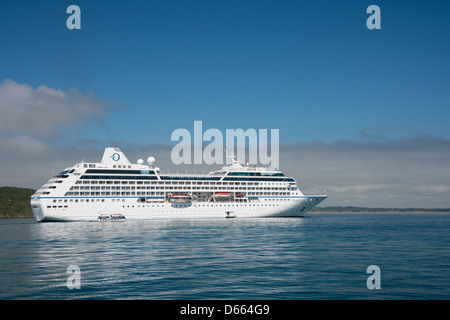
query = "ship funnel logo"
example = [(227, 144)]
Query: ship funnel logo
[(115, 157)]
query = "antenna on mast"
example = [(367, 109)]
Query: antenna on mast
[(235, 163)]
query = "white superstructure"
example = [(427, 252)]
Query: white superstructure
[(87, 191)]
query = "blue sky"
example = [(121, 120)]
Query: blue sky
[(138, 70), (309, 68)]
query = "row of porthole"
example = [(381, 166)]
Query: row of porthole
[(199, 206)]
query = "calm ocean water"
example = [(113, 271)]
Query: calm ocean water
[(323, 256)]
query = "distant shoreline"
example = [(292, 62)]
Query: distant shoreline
[(368, 212), (379, 210), (15, 203)]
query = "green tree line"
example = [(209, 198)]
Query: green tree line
[(15, 202)]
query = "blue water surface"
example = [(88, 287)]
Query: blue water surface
[(321, 256)]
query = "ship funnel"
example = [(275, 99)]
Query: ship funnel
[(113, 155)]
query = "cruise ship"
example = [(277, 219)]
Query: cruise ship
[(115, 187)]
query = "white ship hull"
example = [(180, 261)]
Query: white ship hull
[(114, 186), (293, 207)]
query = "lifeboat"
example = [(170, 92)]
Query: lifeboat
[(180, 198), (223, 194)]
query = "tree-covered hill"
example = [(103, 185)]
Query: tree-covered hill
[(15, 202)]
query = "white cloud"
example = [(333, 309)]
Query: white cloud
[(26, 146), (42, 111), (409, 172), (29, 120)]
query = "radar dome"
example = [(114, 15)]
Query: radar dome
[(140, 161), (151, 160)]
